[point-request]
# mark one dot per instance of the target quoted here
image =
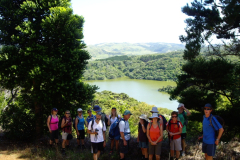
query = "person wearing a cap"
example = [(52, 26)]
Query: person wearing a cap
[(125, 134), (174, 129), (142, 136), (52, 123), (155, 136), (111, 119), (79, 125), (66, 126), (210, 140), (97, 109), (97, 129), (155, 110), (182, 113)]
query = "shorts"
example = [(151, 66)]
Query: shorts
[(115, 138), (209, 149), (54, 135), (155, 149), (175, 144), (82, 134), (122, 148), (64, 135), (183, 135), (143, 144), (97, 147)]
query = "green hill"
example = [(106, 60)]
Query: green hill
[(105, 50), (159, 67)]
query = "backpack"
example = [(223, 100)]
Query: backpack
[(114, 129), (93, 123), (64, 118), (164, 121), (219, 119), (103, 117)]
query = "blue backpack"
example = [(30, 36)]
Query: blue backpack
[(114, 129)]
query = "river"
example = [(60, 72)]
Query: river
[(141, 90)]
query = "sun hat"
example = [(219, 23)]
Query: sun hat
[(154, 115), (154, 110), (127, 112), (97, 108), (143, 116), (79, 109), (208, 105), (180, 105), (55, 109)]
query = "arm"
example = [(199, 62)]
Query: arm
[(48, 123), (104, 137), (188, 113), (161, 134), (180, 131), (143, 128), (76, 123), (148, 134), (121, 129), (221, 130), (89, 131), (108, 121)]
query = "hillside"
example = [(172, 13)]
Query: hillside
[(159, 67), (105, 50)]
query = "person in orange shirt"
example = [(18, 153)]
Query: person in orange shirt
[(174, 129), (155, 136)]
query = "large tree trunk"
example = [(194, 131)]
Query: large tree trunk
[(38, 111)]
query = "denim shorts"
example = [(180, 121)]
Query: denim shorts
[(143, 144), (209, 149)]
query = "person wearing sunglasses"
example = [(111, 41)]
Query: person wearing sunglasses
[(79, 125), (90, 116), (210, 140), (174, 129), (66, 126), (52, 123)]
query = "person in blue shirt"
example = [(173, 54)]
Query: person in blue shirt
[(210, 140), (79, 125), (90, 116)]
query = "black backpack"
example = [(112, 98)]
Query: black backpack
[(164, 121), (219, 119), (102, 124)]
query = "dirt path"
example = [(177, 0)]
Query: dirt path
[(6, 155)]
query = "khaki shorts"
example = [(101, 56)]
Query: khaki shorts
[(155, 149), (176, 144), (64, 135)]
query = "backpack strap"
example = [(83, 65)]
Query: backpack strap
[(151, 125), (92, 124)]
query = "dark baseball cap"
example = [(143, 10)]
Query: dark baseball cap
[(55, 109), (208, 105)]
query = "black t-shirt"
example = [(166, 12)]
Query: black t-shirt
[(142, 135)]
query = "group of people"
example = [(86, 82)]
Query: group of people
[(150, 131)]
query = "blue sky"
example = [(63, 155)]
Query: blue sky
[(132, 21)]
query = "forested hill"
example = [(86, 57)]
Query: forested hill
[(106, 50), (159, 67)]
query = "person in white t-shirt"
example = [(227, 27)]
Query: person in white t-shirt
[(97, 129), (111, 119), (125, 134)]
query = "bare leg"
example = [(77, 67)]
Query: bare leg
[(117, 144), (157, 157), (150, 156), (121, 155), (98, 154), (67, 141), (63, 143), (145, 152), (82, 141), (208, 157), (177, 154), (78, 141), (172, 153), (50, 142), (112, 143), (95, 156), (56, 141), (183, 145)]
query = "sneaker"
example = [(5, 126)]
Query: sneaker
[(183, 153)]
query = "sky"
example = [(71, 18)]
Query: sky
[(132, 21)]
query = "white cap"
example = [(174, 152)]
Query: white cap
[(79, 109), (180, 105)]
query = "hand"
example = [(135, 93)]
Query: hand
[(216, 142), (125, 143), (107, 116), (104, 144), (153, 143), (50, 130), (78, 133), (170, 133), (70, 132), (200, 137), (141, 121)]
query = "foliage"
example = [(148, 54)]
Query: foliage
[(213, 76), (107, 99), (166, 89), (106, 50), (43, 57), (159, 67)]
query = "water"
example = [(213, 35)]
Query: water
[(141, 90)]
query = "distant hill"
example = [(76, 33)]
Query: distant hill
[(106, 50)]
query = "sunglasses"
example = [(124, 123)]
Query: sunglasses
[(80, 112), (174, 116), (208, 109), (67, 113)]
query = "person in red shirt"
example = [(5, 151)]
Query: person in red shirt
[(174, 129)]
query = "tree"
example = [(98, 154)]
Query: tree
[(213, 75), (43, 56)]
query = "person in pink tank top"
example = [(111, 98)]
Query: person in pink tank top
[(52, 123)]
